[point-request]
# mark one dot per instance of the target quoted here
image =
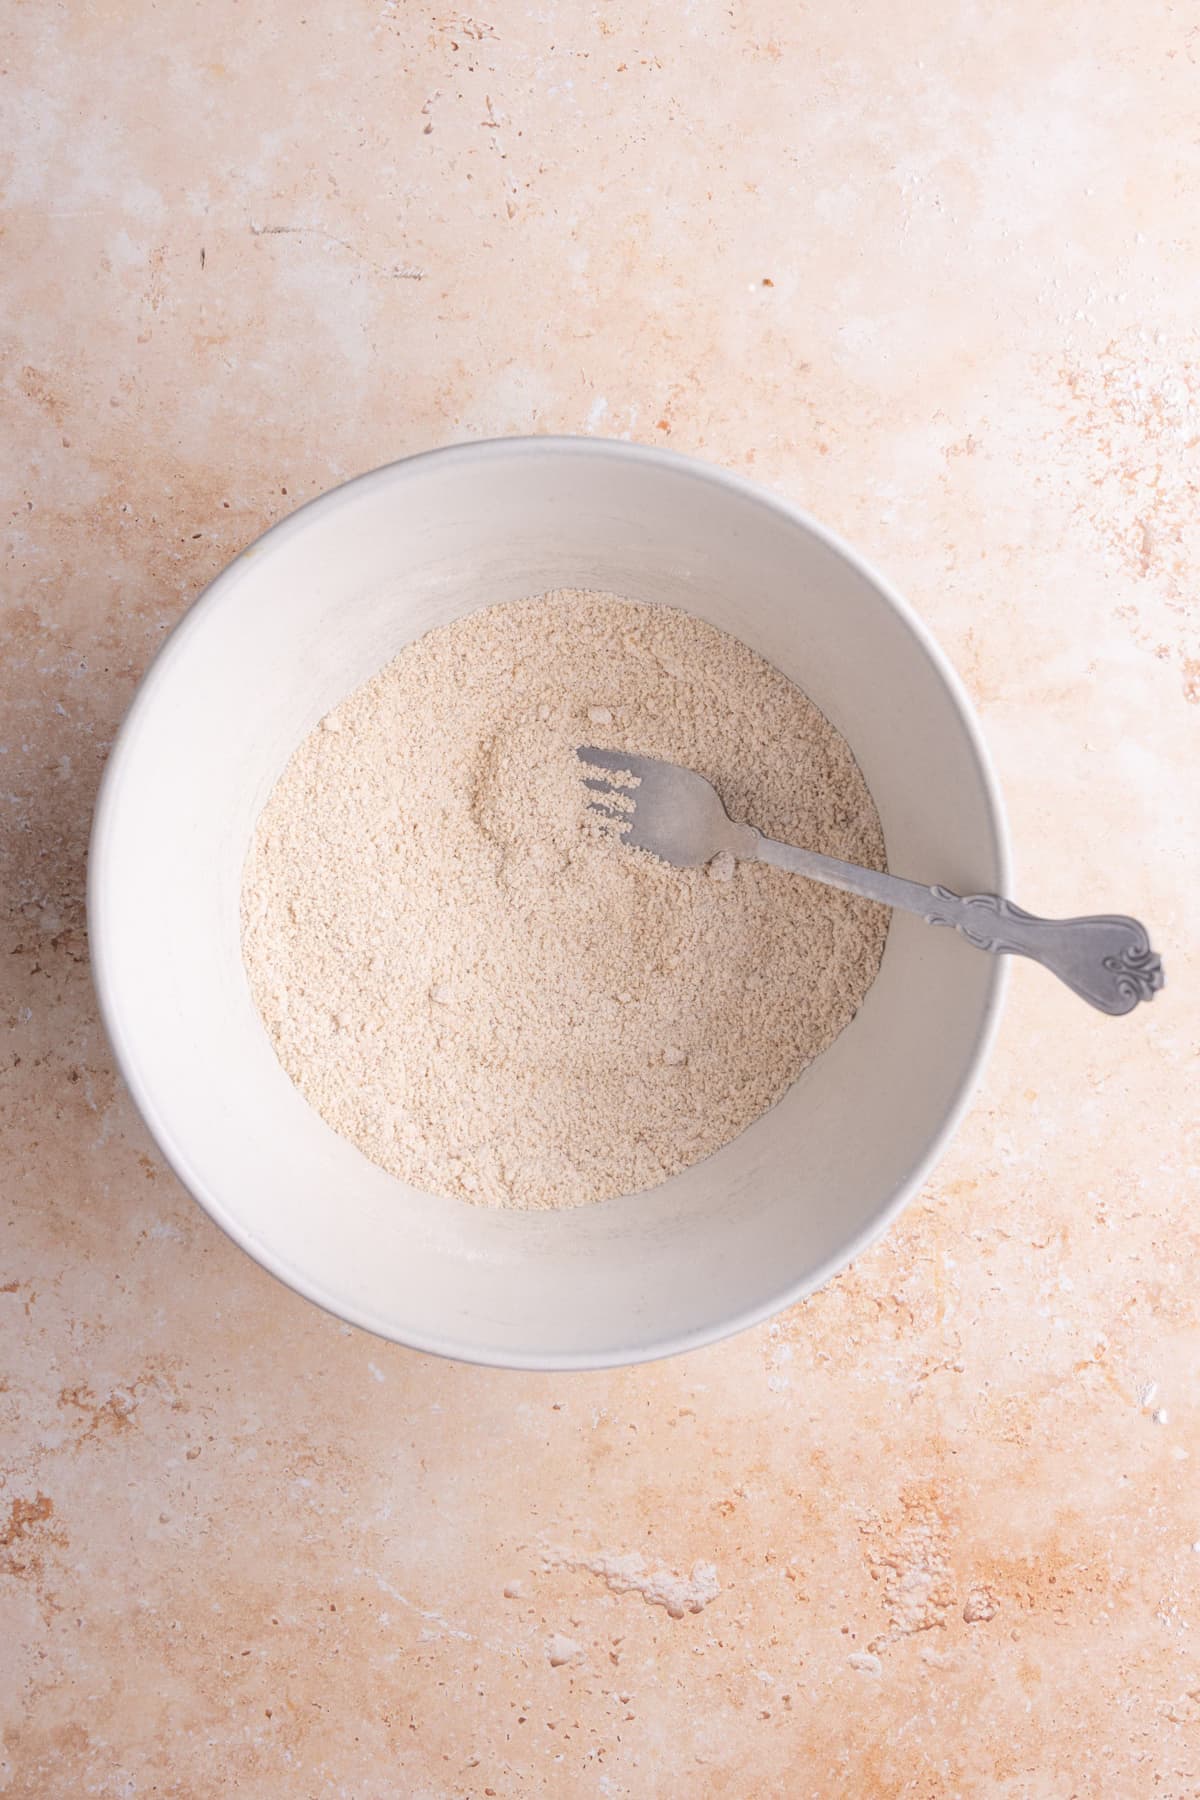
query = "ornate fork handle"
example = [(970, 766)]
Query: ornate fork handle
[(1105, 959)]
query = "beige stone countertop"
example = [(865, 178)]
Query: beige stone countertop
[(932, 272)]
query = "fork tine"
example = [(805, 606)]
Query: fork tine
[(619, 798), (614, 803), (620, 821), (617, 762)]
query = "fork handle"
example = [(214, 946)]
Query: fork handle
[(1105, 959)]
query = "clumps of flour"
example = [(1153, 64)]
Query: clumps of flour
[(631, 1574), (487, 993)]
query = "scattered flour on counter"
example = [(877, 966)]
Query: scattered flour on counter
[(484, 991), (629, 1574), (865, 1661)]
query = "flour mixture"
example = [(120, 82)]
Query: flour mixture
[(483, 990)]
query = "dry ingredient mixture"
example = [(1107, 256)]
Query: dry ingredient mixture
[(485, 991)]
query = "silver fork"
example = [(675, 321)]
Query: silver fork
[(678, 816)]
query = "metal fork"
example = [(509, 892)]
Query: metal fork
[(678, 816)]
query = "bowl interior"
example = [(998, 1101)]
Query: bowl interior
[(303, 617)]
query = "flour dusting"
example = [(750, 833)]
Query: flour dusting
[(630, 1574)]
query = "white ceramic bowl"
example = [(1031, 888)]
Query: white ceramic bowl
[(310, 611)]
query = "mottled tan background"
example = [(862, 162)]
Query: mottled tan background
[(934, 272)]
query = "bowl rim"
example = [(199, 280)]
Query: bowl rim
[(99, 891)]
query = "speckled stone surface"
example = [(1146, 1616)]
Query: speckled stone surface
[(932, 272)]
